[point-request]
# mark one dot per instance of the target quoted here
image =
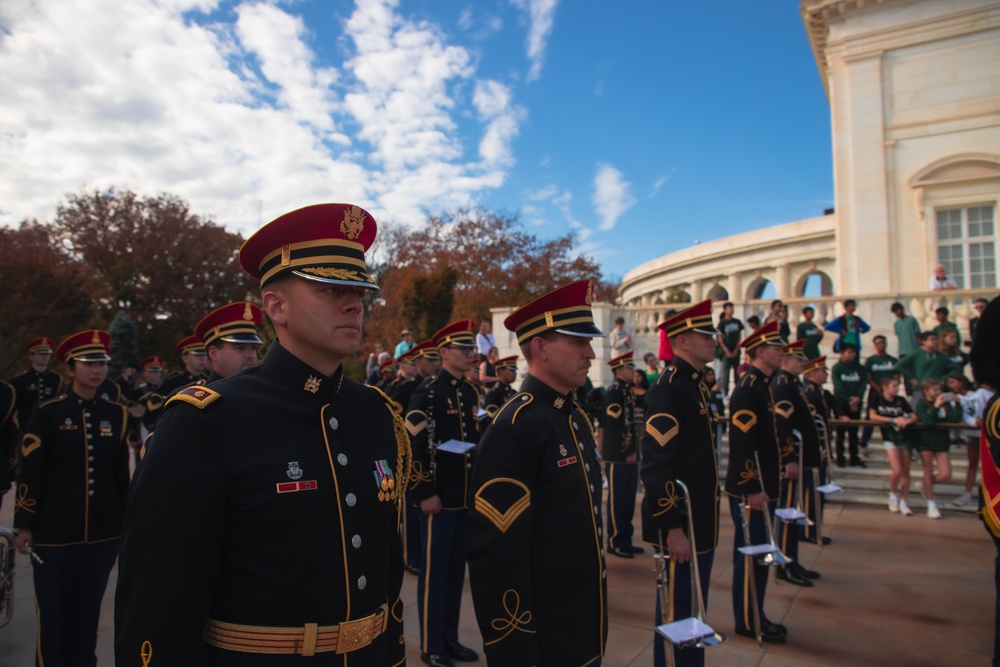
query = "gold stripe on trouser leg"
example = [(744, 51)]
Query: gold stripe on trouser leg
[(786, 525), (611, 504), (673, 592), (807, 509), (747, 572), (427, 582)]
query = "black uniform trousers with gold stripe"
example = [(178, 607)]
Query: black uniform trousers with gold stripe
[(623, 477), (680, 605), (742, 596), (623, 484), (442, 408)]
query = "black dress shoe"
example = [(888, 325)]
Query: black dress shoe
[(413, 569), (858, 463), (769, 636), (621, 553), (770, 626), (636, 550), (435, 660), (808, 574), (461, 653), (841, 463), (793, 577), (812, 540)]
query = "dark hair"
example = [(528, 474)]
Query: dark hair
[(896, 306), (807, 308), (887, 379), (981, 300), (728, 304), (966, 382), (940, 310), (619, 320), (643, 380), (850, 302), (753, 319), (776, 302), (547, 336), (924, 335), (877, 337), (844, 347)]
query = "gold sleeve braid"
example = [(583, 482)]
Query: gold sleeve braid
[(404, 455)]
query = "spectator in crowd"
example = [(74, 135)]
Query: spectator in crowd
[(488, 369), (941, 280), (405, 345), (729, 346), (373, 359), (980, 306), (809, 332), (948, 344), (640, 385), (933, 408), (485, 339), (907, 331), (652, 367), (927, 363), (973, 402), (848, 327), (375, 376), (779, 314), (877, 367), (887, 407), (621, 340), (848, 391), (943, 324)]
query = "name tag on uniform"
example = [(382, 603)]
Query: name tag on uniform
[(292, 487)]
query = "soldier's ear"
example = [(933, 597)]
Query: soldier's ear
[(274, 302)]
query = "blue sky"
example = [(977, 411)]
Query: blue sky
[(642, 126)]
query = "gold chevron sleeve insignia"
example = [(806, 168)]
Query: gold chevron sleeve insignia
[(744, 420), (614, 411), (502, 501), (662, 428), (29, 443), (784, 408), (416, 421)]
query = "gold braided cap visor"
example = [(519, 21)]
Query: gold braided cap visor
[(573, 321), (334, 261), (701, 324)]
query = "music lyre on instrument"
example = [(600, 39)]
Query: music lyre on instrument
[(795, 514), (690, 632), (831, 486)]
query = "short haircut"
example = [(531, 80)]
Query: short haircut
[(547, 336), (844, 347), (924, 335), (878, 337), (619, 320), (753, 319), (850, 302), (887, 379), (896, 307), (728, 304), (808, 309), (929, 383), (940, 310), (981, 300)]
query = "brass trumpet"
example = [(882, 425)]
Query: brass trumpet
[(691, 632), (6, 575)]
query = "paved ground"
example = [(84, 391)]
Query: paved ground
[(895, 591)]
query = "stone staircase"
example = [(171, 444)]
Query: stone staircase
[(870, 486)]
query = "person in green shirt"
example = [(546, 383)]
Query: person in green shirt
[(879, 365), (907, 331), (944, 325), (848, 389), (809, 332), (935, 408), (927, 363)]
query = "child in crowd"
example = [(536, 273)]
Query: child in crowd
[(948, 344), (973, 402), (935, 408), (886, 406)]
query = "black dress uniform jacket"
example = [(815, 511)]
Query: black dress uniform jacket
[(819, 405), (539, 581), (401, 391), (179, 379), (753, 430), (679, 443), (264, 493), (73, 481), (32, 388), (618, 422), (8, 435), (442, 408), (494, 400), (791, 412)]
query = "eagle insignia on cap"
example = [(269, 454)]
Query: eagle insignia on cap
[(247, 313), (590, 293), (96, 338), (353, 223)]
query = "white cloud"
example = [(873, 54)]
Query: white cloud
[(612, 195), (541, 15), (231, 113), (541, 194)]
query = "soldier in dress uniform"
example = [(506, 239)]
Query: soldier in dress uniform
[(231, 339), (751, 437), (678, 443), (792, 414), (506, 373), (616, 440), (195, 359), (388, 369), (70, 499), (147, 399), (424, 359), (38, 383), (443, 408), (985, 357), (287, 530), (815, 374), (8, 437), (539, 580)]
